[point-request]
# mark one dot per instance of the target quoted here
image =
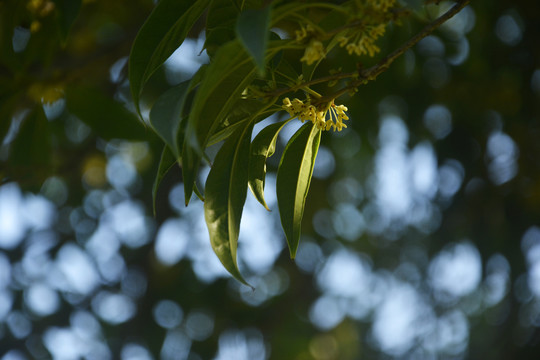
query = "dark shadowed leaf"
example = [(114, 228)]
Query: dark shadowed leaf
[(161, 34), (252, 29), (225, 192), (68, 10), (293, 179), (108, 118), (225, 79), (166, 116), (166, 162)]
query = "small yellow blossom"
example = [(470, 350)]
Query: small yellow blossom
[(377, 31), (364, 46), (304, 32), (314, 52), (382, 5), (330, 117)]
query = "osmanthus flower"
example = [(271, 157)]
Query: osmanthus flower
[(314, 51), (363, 43), (325, 118), (382, 5)]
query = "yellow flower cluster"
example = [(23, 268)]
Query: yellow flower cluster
[(304, 32), (330, 117), (365, 43), (314, 52), (382, 5)]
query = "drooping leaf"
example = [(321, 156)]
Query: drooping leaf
[(293, 180), (226, 188), (262, 147), (166, 116), (108, 118), (162, 33), (252, 29), (226, 77), (166, 163)]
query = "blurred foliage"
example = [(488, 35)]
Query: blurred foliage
[(468, 95)]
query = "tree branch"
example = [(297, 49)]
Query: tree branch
[(374, 71)]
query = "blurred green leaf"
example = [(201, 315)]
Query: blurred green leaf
[(166, 162), (30, 153), (7, 106), (162, 33), (68, 10), (166, 116), (293, 180), (252, 29), (108, 118), (226, 188), (262, 147)]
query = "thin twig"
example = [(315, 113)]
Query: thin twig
[(362, 76), (374, 71)]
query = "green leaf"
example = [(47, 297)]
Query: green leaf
[(220, 23), (252, 29), (293, 180), (262, 147), (242, 111), (30, 159), (108, 118), (166, 115), (226, 188), (226, 77), (162, 33), (68, 10), (166, 162)]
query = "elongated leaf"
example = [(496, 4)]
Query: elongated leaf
[(242, 111), (226, 188), (166, 162), (226, 77), (166, 115), (108, 118), (162, 33), (253, 31), (220, 25), (293, 180), (262, 147)]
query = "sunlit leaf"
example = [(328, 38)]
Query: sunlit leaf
[(108, 118), (226, 77), (293, 180), (166, 115), (161, 34), (226, 188), (262, 147), (252, 29), (241, 112), (166, 163)]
